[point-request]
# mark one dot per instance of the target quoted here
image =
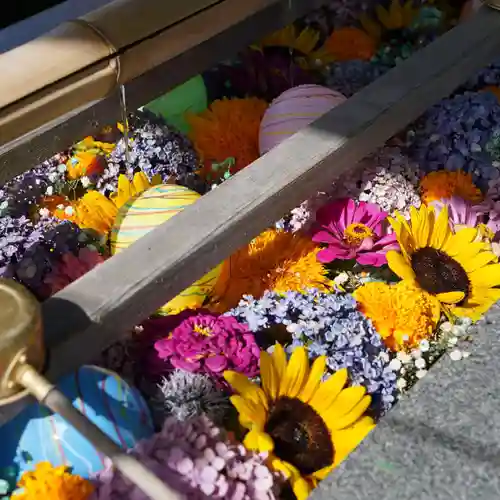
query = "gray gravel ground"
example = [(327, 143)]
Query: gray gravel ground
[(440, 443)]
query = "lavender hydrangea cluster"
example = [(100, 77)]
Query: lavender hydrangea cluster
[(330, 325), (388, 178), (186, 395), (28, 250), (21, 195), (155, 148), (454, 135), (488, 76), (349, 77), (194, 459)]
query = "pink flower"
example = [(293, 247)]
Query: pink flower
[(460, 211), (70, 268), (208, 343), (353, 231)]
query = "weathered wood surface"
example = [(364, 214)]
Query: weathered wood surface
[(90, 314), (194, 45)]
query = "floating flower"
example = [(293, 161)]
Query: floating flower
[(308, 426), (387, 178), (303, 43), (328, 324), (208, 343), (52, 483), (397, 17), (453, 267), (229, 128), (349, 77), (353, 231), (128, 189), (153, 148), (70, 267), (445, 184), (454, 134), (350, 43), (186, 395), (403, 314), (194, 458), (275, 260)]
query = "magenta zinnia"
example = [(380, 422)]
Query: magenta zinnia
[(353, 231), (210, 343)]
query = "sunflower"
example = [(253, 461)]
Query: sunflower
[(303, 44), (457, 268), (307, 426), (128, 189), (398, 17)]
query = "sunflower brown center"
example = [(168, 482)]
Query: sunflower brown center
[(436, 272), (300, 435)]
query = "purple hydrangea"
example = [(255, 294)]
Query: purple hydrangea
[(194, 459), (200, 342), (349, 77), (154, 148), (454, 134), (330, 325), (488, 76), (29, 250)]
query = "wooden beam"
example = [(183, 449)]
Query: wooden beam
[(194, 45), (91, 313)]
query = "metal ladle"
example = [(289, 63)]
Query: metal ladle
[(22, 355)]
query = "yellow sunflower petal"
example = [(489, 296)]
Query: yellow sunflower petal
[(487, 276), (371, 27), (346, 440), (257, 440), (346, 401), (353, 415), (249, 414), (140, 182), (460, 240), (245, 388), (328, 391), (315, 375), (268, 376), (441, 232), (279, 360), (300, 486), (384, 17), (478, 261), (399, 265), (323, 473), (450, 297), (296, 373)]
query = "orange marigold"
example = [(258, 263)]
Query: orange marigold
[(52, 483), (229, 128), (444, 184), (402, 314), (349, 43), (275, 260)]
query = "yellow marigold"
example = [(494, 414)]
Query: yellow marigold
[(445, 184), (275, 260), (52, 483), (403, 314), (229, 128), (350, 43)]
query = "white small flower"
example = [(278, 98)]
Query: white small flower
[(457, 330), (424, 345), (416, 353), (421, 374), (452, 341), (61, 168), (44, 212), (68, 210), (341, 278), (85, 181), (446, 327), (395, 365), (384, 356), (465, 354), (404, 357), (456, 355), (400, 383), (420, 363), (49, 191)]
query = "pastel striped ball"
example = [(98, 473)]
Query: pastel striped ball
[(293, 110), (38, 435), (142, 214)]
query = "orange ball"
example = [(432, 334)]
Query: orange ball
[(350, 43)]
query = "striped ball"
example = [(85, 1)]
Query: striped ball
[(38, 435), (142, 214), (293, 110)]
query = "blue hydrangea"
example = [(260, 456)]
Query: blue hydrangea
[(454, 135), (330, 325), (490, 75), (349, 77)]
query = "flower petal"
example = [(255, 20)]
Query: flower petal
[(399, 265)]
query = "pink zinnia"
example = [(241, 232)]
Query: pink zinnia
[(353, 231), (209, 343), (70, 268)]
